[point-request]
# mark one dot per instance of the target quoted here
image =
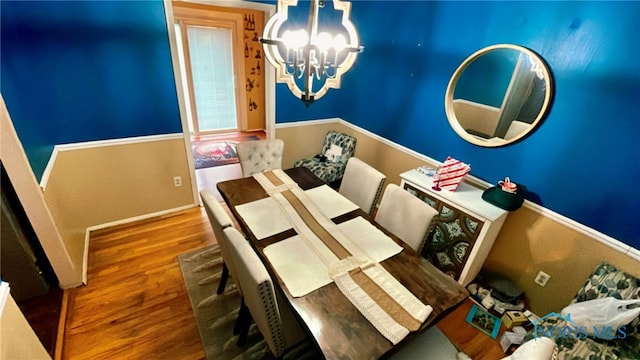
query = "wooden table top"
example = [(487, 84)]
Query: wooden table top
[(336, 326)]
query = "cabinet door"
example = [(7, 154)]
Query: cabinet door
[(454, 233)]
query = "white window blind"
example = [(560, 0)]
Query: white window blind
[(210, 52)]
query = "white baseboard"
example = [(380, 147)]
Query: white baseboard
[(85, 256), (138, 218), (85, 259)]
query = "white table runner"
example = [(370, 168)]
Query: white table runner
[(286, 256), (384, 301), (265, 217)]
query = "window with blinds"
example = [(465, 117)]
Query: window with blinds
[(207, 64)]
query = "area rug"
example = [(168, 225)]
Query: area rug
[(216, 314), (216, 152)]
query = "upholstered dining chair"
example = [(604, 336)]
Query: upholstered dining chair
[(362, 184), (336, 149), (406, 216), (257, 156), (219, 220), (261, 300)]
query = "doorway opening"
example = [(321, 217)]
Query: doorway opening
[(208, 177), (222, 76), (206, 58)]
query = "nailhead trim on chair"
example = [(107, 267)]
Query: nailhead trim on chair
[(375, 199), (273, 319)]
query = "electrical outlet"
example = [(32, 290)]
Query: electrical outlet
[(177, 181), (542, 278)]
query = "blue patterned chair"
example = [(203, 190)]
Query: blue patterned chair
[(605, 281), (331, 170)]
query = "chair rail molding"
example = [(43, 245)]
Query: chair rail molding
[(609, 241), (97, 144)]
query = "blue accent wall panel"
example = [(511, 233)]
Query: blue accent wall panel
[(582, 162), (75, 71)]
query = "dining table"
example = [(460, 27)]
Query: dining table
[(336, 326)]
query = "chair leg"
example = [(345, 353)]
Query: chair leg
[(223, 279), (243, 324), (244, 332), (244, 316)]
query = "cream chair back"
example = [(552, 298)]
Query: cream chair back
[(406, 216), (274, 318), (257, 156), (362, 184), (219, 220)]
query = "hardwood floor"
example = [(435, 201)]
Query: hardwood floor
[(135, 304), (468, 339), (236, 135), (42, 313)]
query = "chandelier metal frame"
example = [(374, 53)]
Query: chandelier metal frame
[(310, 55)]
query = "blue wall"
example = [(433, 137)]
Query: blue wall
[(582, 162), (81, 71)]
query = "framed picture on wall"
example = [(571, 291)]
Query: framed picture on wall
[(484, 321)]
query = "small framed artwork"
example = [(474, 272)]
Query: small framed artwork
[(484, 321)]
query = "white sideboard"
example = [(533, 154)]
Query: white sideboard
[(464, 232)]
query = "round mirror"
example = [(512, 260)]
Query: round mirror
[(498, 95)]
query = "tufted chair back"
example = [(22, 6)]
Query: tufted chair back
[(406, 216), (257, 156), (269, 310), (362, 184)]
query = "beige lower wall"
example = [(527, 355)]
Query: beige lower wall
[(17, 338), (104, 182), (306, 140), (528, 242)]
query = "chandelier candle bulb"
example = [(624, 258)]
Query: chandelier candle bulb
[(300, 55)]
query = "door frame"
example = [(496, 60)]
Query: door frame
[(232, 23), (269, 87), (70, 272)]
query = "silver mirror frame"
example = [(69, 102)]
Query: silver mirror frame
[(496, 141)]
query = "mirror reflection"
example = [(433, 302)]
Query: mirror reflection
[(498, 95)]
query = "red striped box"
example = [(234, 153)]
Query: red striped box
[(451, 172)]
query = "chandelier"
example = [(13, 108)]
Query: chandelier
[(308, 61)]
